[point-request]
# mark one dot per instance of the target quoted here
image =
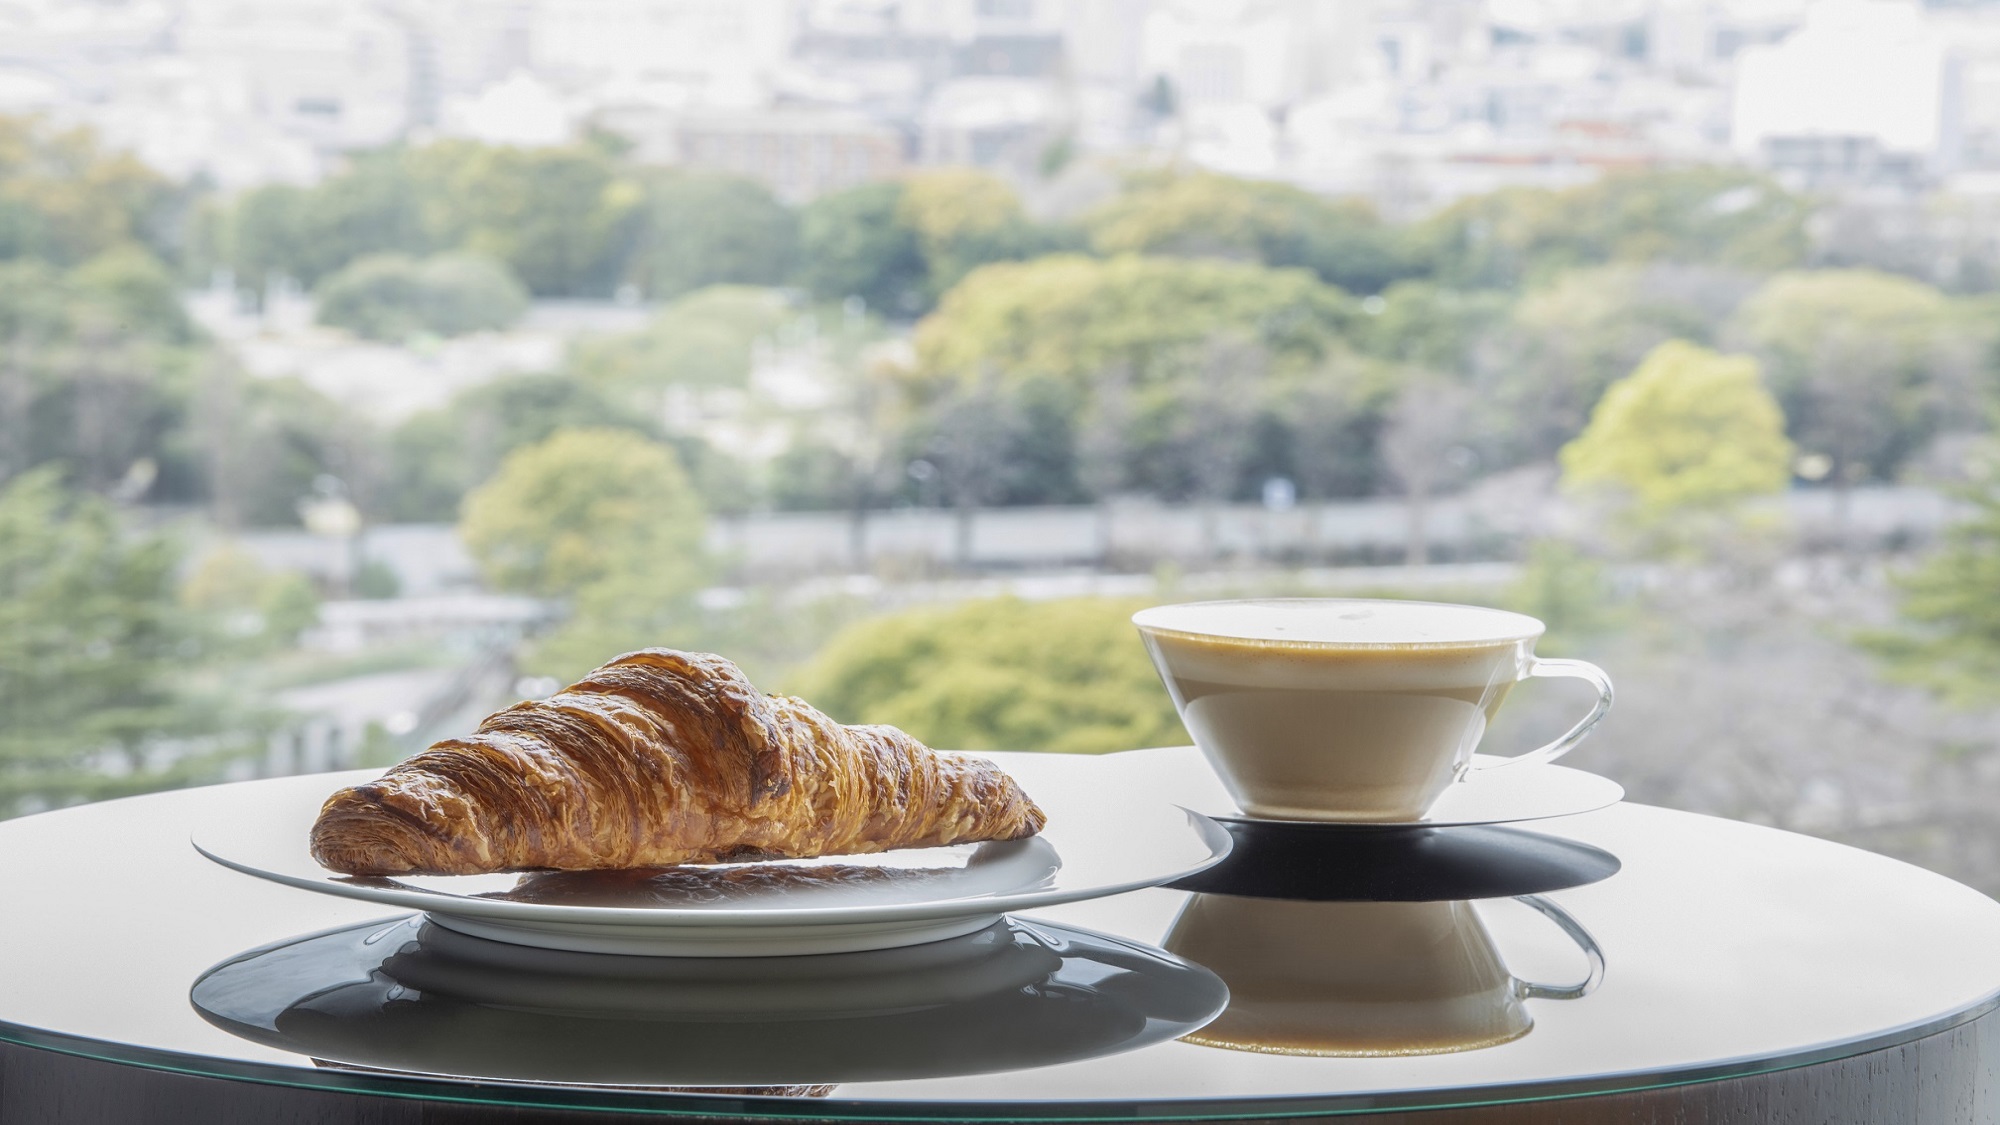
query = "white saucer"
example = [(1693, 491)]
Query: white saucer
[(1485, 796), (1099, 841)]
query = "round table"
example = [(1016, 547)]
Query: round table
[(1747, 974)]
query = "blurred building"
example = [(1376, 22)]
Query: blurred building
[(970, 81), (163, 111), (799, 153), (1410, 102), (1005, 123), (460, 48), (1866, 93), (336, 75), (57, 55), (727, 50), (862, 55), (1974, 38), (521, 110), (1268, 54)]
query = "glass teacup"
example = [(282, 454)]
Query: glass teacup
[(1348, 709)]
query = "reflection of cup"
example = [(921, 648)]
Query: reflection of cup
[(1361, 978), (1345, 708)]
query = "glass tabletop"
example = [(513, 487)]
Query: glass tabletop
[(1317, 972)]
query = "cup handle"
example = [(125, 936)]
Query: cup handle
[(1576, 933), (1571, 669)]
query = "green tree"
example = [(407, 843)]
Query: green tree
[(705, 339), (1332, 418), (1070, 317), (1949, 636), (1688, 434), (705, 228), (436, 457), (1710, 215), (93, 373), (1862, 362), (1216, 216), (65, 200), (1569, 591), (266, 442), (962, 219), (1200, 348), (93, 646), (253, 236), (138, 291), (266, 609), (852, 244), (559, 218), (583, 507), (391, 297), (1551, 358), (377, 204), (1425, 325), (1066, 676)]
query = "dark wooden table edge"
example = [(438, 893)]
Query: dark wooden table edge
[(1950, 1075)]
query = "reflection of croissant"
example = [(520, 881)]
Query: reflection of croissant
[(660, 758)]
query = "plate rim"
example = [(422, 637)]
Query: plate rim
[(1212, 836)]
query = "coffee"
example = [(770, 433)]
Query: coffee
[(1338, 709)]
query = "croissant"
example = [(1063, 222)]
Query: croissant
[(661, 758)]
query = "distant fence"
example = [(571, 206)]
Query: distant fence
[(428, 558), (1136, 534)]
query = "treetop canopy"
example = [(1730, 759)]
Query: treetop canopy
[(1070, 317)]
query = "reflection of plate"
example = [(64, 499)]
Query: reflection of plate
[(1099, 841), (1485, 796), (409, 996)]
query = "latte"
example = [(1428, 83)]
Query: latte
[(1338, 709)]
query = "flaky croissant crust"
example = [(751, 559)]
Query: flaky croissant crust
[(659, 758)]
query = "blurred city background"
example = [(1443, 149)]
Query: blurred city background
[(368, 364)]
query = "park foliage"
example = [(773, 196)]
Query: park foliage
[(1667, 335), (1689, 433), (1001, 674), (396, 298)]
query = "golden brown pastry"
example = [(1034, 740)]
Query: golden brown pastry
[(661, 758)]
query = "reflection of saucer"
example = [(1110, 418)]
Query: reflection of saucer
[(411, 996), (1490, 795), (1341, 863)]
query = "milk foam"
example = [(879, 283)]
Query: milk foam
[(1342, 622)]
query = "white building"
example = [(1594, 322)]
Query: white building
[(1264, 53), (165, 112), (336, 75), (962, 21), (798, 153), (992, 123), (59, 54), (1862, 85), (730, 49), (470, 44), (521, 110)]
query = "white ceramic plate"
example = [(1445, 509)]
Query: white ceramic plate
[(1101, 839), (1486, 796)]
